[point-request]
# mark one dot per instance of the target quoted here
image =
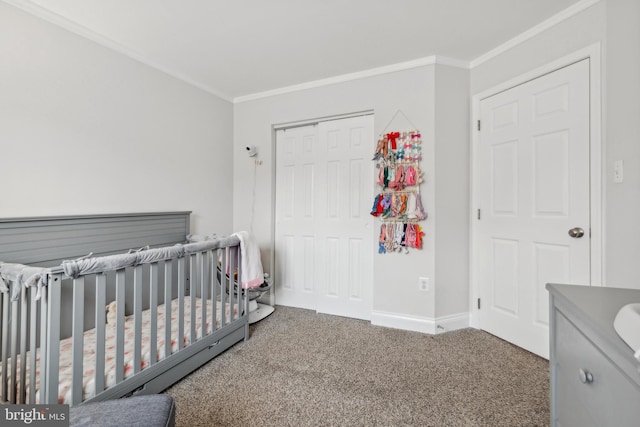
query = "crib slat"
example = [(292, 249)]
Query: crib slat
[(168, 273), (33, 335), (44, 354), (153, 308), (245, 311), (203, 293), (237, 289), (233, 283), (101, 297), (224, 274), (193, 289), (181, 278), (120, 298), (5, 346), (53, 342), (24, 300), (234, 277), (239, 292), (213, 281), (137, 318), (243, 304), (14, 349), (78, 340)]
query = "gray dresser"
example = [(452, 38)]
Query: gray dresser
[(594, 377)]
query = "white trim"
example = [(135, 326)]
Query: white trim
[(404, 322), (451, 62), (102, 40), (426, 325), (452, 322), (534, 31), (593, 53), (401, 66), (596, 168), (300, 123)]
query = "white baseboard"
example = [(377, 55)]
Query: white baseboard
[(425, 325), (404, 322), (452, 322)]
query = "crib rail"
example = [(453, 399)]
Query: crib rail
[(169, 305)]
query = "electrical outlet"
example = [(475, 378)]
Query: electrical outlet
[(423, 284)]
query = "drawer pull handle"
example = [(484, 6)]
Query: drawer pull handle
[(586, 377)]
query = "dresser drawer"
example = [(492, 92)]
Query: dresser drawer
[(591, 391)]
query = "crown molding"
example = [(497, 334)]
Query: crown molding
[(401, 66), (534, 31), (102, 40), (451, 62)]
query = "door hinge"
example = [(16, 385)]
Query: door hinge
[(478, 213), (478, 303), (478, 124)]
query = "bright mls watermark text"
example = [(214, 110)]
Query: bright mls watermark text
[(34, 415)]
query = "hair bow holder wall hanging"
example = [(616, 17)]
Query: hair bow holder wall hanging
[(398, 203)]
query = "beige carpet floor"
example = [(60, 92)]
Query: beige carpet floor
[(300, 368)]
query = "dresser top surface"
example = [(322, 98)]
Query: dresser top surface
[(596, 307), (598, 302)]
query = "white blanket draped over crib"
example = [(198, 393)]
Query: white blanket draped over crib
[(252, 274)]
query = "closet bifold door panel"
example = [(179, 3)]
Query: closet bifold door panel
[(324, 235)]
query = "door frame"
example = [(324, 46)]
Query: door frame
[(592, 53)]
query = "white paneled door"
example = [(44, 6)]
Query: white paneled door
[(324, 233), (533, 201)]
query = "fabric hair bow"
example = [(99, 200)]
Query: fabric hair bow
[(392, 138)]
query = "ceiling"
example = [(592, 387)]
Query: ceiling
[(236, 48)]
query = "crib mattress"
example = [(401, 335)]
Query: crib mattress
[(65, 373)]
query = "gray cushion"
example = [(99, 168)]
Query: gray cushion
[(144, 411)]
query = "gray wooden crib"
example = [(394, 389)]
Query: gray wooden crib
[(144, 310)]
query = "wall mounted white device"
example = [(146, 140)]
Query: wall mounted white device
[(251, 150)]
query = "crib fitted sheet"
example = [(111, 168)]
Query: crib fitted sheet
[(65, 373)]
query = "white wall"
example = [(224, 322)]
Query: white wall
[(622, 134), (412, 91), (86, 130), (452, 190), (575, 33)]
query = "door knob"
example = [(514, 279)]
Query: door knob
[(585, 376), (576, 232)]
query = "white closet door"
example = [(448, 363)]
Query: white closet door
[(533, 181), (324, 233), (295, 242)]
